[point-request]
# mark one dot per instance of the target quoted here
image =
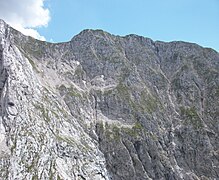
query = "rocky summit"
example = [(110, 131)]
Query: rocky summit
[(105, 107)]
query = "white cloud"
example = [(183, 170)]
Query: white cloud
[(25, 15)]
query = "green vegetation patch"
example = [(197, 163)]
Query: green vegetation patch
[(68, 140), (147, 103), (79, 71), (73, 92), (44, 111), (191, 117), (135, 131), (70, 91), (113, 132)]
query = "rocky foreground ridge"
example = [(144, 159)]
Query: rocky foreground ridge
[(107, 107)]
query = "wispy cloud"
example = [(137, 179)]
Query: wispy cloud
[(25, 15)]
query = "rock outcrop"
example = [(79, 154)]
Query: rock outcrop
[(107, 107)]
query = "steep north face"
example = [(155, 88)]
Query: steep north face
[(107, 107)]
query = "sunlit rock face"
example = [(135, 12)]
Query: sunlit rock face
[(107, 107)]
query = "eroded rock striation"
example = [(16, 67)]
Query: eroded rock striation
[(107, 107)]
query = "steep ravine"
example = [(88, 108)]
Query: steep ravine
[(107, 107)]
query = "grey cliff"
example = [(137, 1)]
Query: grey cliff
[(103, 107)]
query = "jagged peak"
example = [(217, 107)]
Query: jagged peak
[(2, 21), (92, 33), (2, 25), (100, 32)]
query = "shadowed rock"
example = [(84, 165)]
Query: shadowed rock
[(107, 107)]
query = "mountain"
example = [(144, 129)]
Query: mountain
[(103, 107)]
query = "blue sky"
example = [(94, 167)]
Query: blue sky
[(166, 20)]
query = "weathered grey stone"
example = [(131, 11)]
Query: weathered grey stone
[(107, 107)]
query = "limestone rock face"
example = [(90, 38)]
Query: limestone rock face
[(107, 107)]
